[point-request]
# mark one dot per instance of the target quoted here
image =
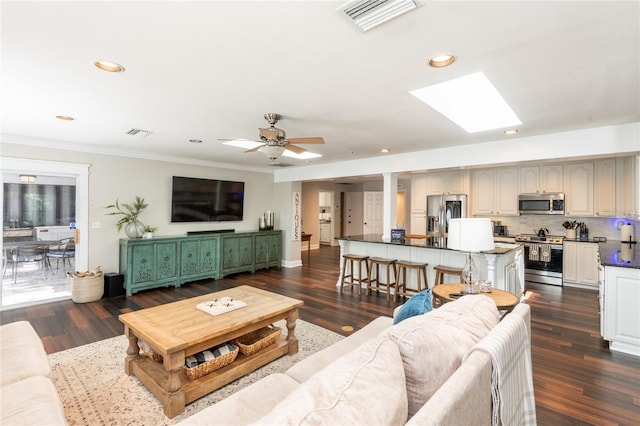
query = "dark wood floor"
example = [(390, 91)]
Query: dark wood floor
[(577, 380)]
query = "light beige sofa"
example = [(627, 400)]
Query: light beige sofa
[(421, 371), (27, 395)]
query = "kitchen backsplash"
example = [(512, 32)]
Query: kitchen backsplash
[(598, 227)]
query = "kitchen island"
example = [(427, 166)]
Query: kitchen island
[(503, 266), (620, 296)]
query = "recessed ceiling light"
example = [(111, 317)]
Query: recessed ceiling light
[(511, 132), (385, 150), (195, 140), (109, 66), (471, 102), (441, 61), (65, 117)]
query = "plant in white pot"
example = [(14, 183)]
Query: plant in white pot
[(129, 213), (148, 231)]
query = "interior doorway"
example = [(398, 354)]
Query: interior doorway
[(32, 277)]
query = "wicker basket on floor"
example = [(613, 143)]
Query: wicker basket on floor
[(86, 289), (210, 366), (256, 340)]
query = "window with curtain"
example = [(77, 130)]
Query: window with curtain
[(27, 205)]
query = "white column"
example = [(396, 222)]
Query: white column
[(283, 196), (390, 204)]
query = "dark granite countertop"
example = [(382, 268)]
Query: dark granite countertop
[(434, 243), (617, 253)]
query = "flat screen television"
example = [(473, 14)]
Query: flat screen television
[(206, 200)]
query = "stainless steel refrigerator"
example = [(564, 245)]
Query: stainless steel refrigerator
[(441, 209)]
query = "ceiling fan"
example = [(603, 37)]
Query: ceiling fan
[(273, 141)]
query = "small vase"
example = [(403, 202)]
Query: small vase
[(147, 235), (134, 229)]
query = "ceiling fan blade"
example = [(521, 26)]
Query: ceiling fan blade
[(294, 149), (256, 148), (317, 140)]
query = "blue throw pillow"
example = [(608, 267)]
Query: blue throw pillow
[(417, 305)]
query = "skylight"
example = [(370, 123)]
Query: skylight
[(471, 102), (302, 156), (243, 143)]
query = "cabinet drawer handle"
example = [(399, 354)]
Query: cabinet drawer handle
[(166, 258)]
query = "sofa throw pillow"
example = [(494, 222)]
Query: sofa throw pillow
[(364, 387), (432, 345), (417, 305)]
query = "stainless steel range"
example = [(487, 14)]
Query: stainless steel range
[(542, 258)]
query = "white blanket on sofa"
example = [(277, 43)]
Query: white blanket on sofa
[(512, 376)]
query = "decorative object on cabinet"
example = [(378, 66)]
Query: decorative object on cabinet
[(470, 235), (129, 213), (149, 231)]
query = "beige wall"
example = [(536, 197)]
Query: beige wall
[(112, 177)]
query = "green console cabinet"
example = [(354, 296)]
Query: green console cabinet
[(237, 253), (148, 263), (199, 258), (267, 249), (173, 261)]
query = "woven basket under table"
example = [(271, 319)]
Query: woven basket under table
[(210, 366), (257, 340)]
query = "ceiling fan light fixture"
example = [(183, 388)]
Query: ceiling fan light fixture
[(272, 152), (441, 61)]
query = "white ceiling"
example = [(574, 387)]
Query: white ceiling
[(208, 70)]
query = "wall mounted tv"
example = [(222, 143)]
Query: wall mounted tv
[(206, 200)]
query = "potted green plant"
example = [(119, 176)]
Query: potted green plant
[(129, 213), (148, 231)]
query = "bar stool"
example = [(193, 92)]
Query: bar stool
[(350, 278), (442, 270), (375, 283), (401, 278)]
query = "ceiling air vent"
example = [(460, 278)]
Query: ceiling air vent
[(137, 132), (370, 13), (280, 165)]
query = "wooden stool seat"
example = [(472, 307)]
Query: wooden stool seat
[(442, 270), (401, 278), (375, 283), (350, 278)]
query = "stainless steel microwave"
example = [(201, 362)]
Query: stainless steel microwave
[(549, 203)]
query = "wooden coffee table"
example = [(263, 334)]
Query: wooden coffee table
[(177, 330), (504, 300)]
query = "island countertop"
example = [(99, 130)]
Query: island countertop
[(619, 254), (433, 243)]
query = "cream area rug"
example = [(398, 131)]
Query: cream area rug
[(94, 389)]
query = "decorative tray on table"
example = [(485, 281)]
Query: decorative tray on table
[(221, 305)]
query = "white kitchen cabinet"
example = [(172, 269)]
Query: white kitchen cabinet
[(325, 233), (541, 179), (483, 184), (628, 186), (580, 264), (458, 182), (495, 191), (325, 199), (419, 223), (604, 193), (419, 195), (454, 182), (621, 316), (578, 188)]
